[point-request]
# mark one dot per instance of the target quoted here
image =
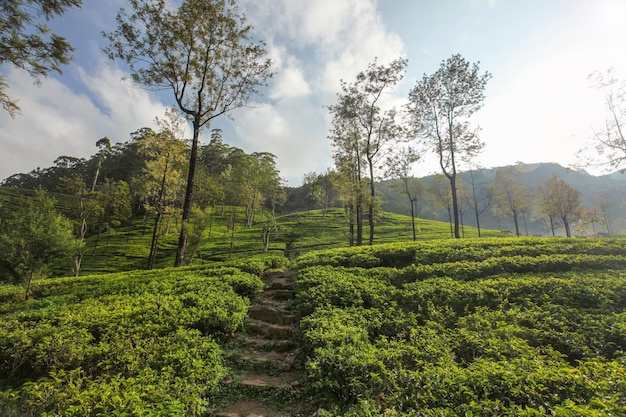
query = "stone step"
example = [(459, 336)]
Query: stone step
[(268, 330), (283, 295), (262, 344), (290, 379), (278, 284), (271, 314), (271, 362)]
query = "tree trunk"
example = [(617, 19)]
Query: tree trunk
[(359, 223), (413, 219), (183, 238), (517, 233), (27, 293), (371, 204), (455, 205), (477, 221), (568, 232), (155, 239)]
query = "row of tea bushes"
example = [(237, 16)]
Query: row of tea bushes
[(403, 254), (504, 341), (136, 343)]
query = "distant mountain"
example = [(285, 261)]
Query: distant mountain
[(611, 189)]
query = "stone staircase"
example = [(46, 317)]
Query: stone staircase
[(265, 371)]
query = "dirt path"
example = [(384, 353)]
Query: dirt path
[(265, 370)]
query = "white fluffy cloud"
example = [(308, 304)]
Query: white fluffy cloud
[(313, 44), (57, 120)]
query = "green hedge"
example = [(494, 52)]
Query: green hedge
[(527, 329), (121, 344)]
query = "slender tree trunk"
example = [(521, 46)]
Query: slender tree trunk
[(517, 233), (455, 205), (462, 224), (371, 204), (183, 238), (78, 257), (155, 239), (30, 279), (359, 223), (477, 221), (568, 232), (413, 219), (552, 225)]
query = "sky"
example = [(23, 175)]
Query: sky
[(539, 104)]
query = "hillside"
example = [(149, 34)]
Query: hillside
[(611, 189), (490, 327)]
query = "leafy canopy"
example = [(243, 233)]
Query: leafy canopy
[(28, 43)]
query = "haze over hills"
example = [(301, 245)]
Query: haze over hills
[(608, 190)]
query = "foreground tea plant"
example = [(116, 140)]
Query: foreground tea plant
[(137, 343), (519, 327)]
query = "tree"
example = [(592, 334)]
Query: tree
[(88, 209), (202, 52), (32, 238), (562, 200), (399, 166), (510, 196), (349, 182), (116, 201), (104, 146), (376, 129), (441, 105), (162, 179), (441, 197), (479, 200), (608, 142), (29, 44)]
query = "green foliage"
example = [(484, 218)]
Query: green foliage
[(32, 237), (28, 43), (136, 343), (482, 331)]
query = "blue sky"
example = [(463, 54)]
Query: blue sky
[(539, 106)]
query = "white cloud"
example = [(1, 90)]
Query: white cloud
[(313, 44), (290, 82), (57, 120)]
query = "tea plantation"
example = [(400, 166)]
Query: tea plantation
[(492, 327), (471, 327)]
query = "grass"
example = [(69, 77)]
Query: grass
[(127, 247)]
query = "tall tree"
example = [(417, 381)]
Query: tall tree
[(510, 195), (348, 157), (88, 209), (202, 52), (162, 179), (104, 146), (562, 200), (441, 105), (399, 165), (378, 130), (29, 44), (479, 199)]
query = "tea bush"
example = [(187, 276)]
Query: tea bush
[(492, 327), (137, 343)]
